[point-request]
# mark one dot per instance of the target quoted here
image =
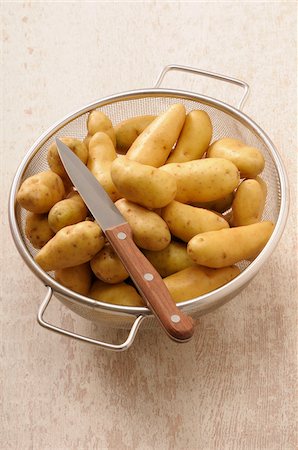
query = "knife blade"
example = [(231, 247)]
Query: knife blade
[(153, 290)]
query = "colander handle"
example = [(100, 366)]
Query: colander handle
[(206, 73), (116, 347)]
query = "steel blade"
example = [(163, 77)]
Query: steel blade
[(97, 200)]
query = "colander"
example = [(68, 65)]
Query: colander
[(227, 121)]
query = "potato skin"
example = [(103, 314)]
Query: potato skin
[(67, 212), (249, 160), (78, 278), (37, 229), (142, 184), (98, 121), (107, 266), (185, 221), (248, 204), (53, 158), (197, 280), (203, 180), (128, 130), (170, 260), (223, 248), (71, 246), (40, 192), (149, 230), (153, 146), (194, 138), (117, 294), (101, 155)]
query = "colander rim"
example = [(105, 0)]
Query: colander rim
[(210, 298)]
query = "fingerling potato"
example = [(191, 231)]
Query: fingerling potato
[(40, 192), (98, 121), (117, 294), (128, 130), (225, 247), (142, 184), (221, 205), (37, 229), (194, 138), (203, 180), (169, 260), (149, 230), (107, 266), (53, 158), (78, 278), (185, 221), (197, 280), (152, 147), (71, 246), (67, 212), (249, 160), (248, 204)]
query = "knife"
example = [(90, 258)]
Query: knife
[(149, 283)]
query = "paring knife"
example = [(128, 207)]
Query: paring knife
[(153, 290)]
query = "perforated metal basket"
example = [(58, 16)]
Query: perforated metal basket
[(227, 121)]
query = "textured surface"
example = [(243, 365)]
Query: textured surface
[(232, 387)]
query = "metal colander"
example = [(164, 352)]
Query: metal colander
[(227, 122)]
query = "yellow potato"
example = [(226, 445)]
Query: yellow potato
[(153, 146), (98, 121), (54, 161), (71, 246), (142, 184), (194, 138), (117, 294), (78, 278), (185, 221), (107, 266), (149, 230), (263, 185), (37, 229), (67, 212), (221, 205), (196, 280), (87, 140), (203, 180), (101, 155), (248, 204), (249, 160), (226, 247), (128, 130), (40, 192), (170, 260)]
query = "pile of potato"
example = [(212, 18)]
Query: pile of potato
[(195, 209)]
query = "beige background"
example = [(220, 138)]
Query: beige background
[(232, 386)]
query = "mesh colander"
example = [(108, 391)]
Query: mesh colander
[(227, 121)]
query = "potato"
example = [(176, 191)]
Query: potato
[(40, 192), (71, 246), (98, 121), (221, 205), (194, 138), (37, 229), (101, 155), (170, 260), (249, 160), (263, 185), (78, 278), (152, 147), (149, 230), (185, 221), (117, 294), (54, 161), (67, 212), (196, 280), (203, 180), (249, 202), (226, 247), (128, 130), (142, 184), (107, 266)]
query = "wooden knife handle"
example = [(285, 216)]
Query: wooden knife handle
[(150, 284)]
